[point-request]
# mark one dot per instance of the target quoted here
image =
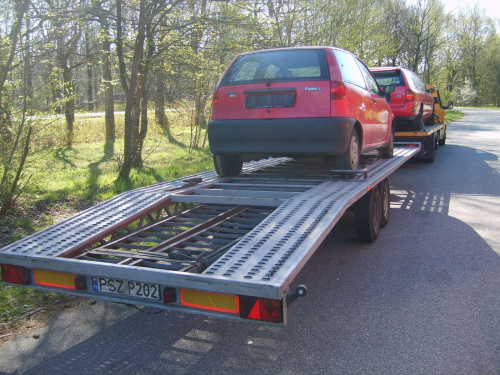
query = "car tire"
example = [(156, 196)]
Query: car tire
[(418, 123), (388, 151), (350, 159), (227, 165)]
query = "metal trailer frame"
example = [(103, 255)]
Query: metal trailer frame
[(283, 209), (428, 139)]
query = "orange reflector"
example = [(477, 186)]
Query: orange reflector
[(58, 279), (210, 301)]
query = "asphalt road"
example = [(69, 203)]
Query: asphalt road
[(424, 299)]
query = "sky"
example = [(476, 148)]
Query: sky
[(492, 7)]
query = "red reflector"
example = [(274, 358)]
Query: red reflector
[(338, 90), (263, 309), (15, 274)]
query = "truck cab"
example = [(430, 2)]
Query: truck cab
[(439, 112)]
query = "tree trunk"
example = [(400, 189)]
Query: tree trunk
[(109, 103), (132, 112), (160, 116)]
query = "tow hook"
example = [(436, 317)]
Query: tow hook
[(300, 291)]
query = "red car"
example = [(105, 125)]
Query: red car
[(302, 101), (410, 102)]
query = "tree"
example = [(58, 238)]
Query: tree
[(16, 134)]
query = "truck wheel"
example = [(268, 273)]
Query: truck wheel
[(350, 159), (368, 215), (430, 148), (227, 165), (385, 196), (442, 141), (388, 151)]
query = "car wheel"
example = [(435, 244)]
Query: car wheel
[(418, 123), (227, 165), (388, 151), (350, 159)]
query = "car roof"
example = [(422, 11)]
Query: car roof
[(293, 49), (386, 68)]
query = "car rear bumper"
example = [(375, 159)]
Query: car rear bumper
[(280, 137)]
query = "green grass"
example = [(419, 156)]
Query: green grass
[(65, 181), (453, 115)]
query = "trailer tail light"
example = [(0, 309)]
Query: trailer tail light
[(409, 95), (210, 301), (15, 274), (60, 280), (169, 295), (263, 309), (338, 90)]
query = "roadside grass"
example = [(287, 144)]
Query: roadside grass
[(453, 115), (64, 181)]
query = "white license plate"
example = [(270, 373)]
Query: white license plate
[(127, 288)]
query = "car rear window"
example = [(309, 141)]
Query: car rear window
[(389, 78), (286, 65)]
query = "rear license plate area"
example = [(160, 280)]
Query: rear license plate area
[(270, 101), (126, 288)]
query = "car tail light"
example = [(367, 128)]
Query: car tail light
[(409, 95), (215, 99), (15, 274), (338, 90)]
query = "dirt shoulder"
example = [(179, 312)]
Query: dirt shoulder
[(30, 322)]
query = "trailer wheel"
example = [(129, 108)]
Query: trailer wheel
[(385, 196), (227, 165), (368, 216)]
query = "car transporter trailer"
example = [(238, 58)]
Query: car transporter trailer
[(227, 247)]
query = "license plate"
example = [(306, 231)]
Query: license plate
[(127, 288)]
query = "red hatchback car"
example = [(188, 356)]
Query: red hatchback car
[(302, 101), (411, 103)]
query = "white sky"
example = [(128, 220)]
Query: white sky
[(492, 7)]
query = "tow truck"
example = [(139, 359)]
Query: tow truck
[(220, 246), (433, 132)]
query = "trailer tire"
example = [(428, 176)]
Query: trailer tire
[(227, 165), (385, 196), (368, 215)]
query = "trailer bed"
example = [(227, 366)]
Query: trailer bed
[(244, 236)]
